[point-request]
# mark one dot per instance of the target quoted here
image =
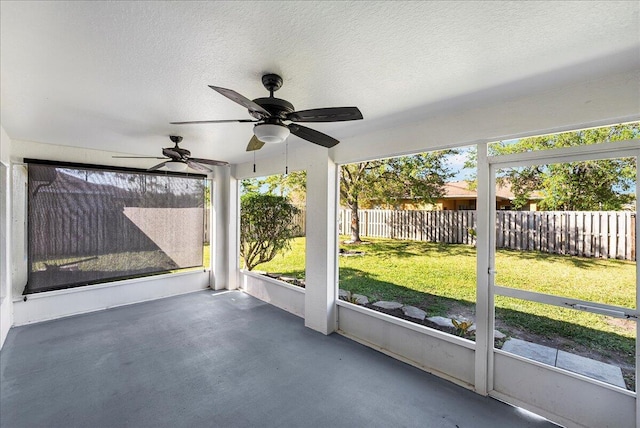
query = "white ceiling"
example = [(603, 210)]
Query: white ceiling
[(112, 75)]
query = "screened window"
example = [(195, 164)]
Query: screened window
[(88, 225)]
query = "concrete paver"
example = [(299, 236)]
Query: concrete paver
[(533, 351), (591, 368), (565, 360)]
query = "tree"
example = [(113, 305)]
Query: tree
[(354, 178), (420, 177), (293, 185), (265, 227), (574, 186)]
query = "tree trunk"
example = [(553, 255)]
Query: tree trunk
[(355, 220)]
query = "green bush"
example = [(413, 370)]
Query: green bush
[(265, 227)]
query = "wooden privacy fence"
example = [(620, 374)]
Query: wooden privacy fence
[(604, 234), (299, 223)]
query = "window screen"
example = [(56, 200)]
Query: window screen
[(90, 225)]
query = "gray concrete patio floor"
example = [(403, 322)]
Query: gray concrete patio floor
[(565, 360), (210, 359)]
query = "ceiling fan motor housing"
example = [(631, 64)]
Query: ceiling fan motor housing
[(278, 108)]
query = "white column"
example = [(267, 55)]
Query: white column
[(320, 290), (224, 254), (233, 233), (484, 298)]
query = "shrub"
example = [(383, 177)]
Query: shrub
[(266, 227)]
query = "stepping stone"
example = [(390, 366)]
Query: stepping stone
[(360, 299), (442, 321), (388, 305), (413, 312), (594, 369), (533, 351)]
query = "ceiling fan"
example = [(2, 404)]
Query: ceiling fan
[(271, 113), (178, 159)]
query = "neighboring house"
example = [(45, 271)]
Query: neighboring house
[(458, 196)]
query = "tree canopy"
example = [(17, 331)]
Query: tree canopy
[(293, 185), (605, 184)]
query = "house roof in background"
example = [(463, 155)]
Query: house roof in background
[(461, 190)]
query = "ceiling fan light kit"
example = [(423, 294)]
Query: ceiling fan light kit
[(176, 166), (270, 133), (270, 113)]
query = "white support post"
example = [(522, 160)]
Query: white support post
[(320, 290), (484, 306), (223, 241), (233, 232)]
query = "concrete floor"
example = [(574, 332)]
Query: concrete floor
[(224, 359)]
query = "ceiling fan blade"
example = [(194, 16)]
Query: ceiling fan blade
[(160, 165), (330, 114), (207, 161), (139, 157), (254, 144), (197, 166), (242, 100), (312, 135), (212, 121)]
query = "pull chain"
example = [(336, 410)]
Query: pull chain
[(286, 159), (254, 161)]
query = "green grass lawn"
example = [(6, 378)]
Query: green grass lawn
[(440, 278)]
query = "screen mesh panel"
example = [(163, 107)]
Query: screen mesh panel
[(88, 226)]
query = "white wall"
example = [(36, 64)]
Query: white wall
[(278, 293), (72, 301), (6, 309)]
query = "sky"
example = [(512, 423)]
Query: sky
[(456, 164)]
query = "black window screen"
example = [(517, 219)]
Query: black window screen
[(90, 225)]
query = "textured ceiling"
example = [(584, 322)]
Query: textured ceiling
[(112, 75)]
